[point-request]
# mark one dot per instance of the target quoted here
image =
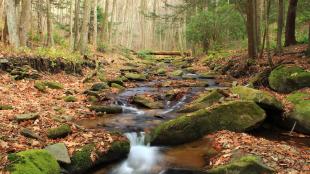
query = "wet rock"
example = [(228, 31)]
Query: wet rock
[(135, 76), (244, 165), (59, 132), (33, 162), (147, 101), (6, 107), (182, 171), (26, 117), (60, 152), (30, 134), (203, 101), (288, 78), (111, 109), (174, 94), (99, 86), (92, 93), (130, 69), (23, 72), (177, 73), (262, 98), (235, 116), (118, 81), (70, 98), (115, 85)]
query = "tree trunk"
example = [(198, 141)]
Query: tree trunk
[(24, 24), (105, 27), (76, 24), (50, 39), (71, 26), (267, 33), (251, 29), (308, 52), (85, 26), (290, 38), (280, 26), (12, 23), (95, 24), (112, 21), (40, 20)]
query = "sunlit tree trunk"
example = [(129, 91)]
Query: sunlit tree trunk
[(142, 22), (40, 20), (95, 24), (251, 29), (280, 25), (71, 25), (290, 38), (76, 24), (112, 21), (267, 32), (10, 10), (50, 40), (106, 21), (24, 22), (85, 26)]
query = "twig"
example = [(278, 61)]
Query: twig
[(293, 128)]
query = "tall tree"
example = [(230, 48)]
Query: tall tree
[(251, 29), (71, 25), (85, 27), (76, 24), (290, 38), (10, 9), (50, 39), (112, 21), (95, 32), (105, 27), (268, 4), (280, 25), (24, 23)]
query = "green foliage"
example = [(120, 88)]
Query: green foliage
[(58, 52), (145, 54)]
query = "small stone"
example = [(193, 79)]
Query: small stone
[(26, 117), (99, 86), (59, 132), (59, 152), (6, 107), (70, 98), (30, 134)]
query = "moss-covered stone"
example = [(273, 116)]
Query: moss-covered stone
[(147, 101), (26, 117), (6, 107), (208, 75), (262, 98), (118, 81), (81, 159), (53, 85), (33, 162), (135, 76), (234, 116), (115, 85), (203, 101), (110, 109), (288, 78), (59, 132), (40, 86), (245, 165), (161, 71), (70, 98), (99, 86), (177, 73), (300, 113), (92, 99)]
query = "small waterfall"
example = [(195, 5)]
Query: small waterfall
[(141, 159), (176, 106), (128, 109)]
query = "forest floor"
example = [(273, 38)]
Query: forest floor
[(54, 111)]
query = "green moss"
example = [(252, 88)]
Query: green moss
[(118, 150), (234, 116), (40, 86), (245, 165), (6, 107), (111, 109), (92, 99), (53, 85), (81, 160), (33, 162), (287, 78), (298, 97), (177, 73), (70, 98), (99, 86), (161, 71), (118, 81), (115, 85), (59, 132)]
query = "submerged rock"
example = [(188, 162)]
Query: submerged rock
[(147, 101), (33, 162), (59, 132), (60, 152), (288, 78), (234, 116), (245, 165), (109, 109)]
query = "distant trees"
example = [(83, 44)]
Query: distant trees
[(280, 25)]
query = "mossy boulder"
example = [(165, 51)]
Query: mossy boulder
[(147, 101), (81, 160), (115, 85), (53, 85), (208, 75), (33, 162), (40, 86), (59, 132), (203, 101), (177, 73), (6, 107), (264, 99), (99, 86), (26, 117), (70, 98), (245, 165), (235, 116), (288, 78), (108, 109), (118, 81), (161, 71), (135, 76), (300, 113)]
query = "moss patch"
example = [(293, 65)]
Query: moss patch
[(70, 98), (6, 107), (59, 132), (53, 85), (111, 109)]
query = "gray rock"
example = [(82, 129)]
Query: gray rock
[(26, 117), (59, 152), (30, 134)]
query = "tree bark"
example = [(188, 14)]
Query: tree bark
[(95, 24), (106, 22), (85, 26), (290, 38), (50, 39), (112, 21), (71, 25), (280, 26), (76, 24), (25, 22), (12, 23), (267, 34), (251, 29)]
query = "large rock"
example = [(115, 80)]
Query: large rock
[(33, 162), (234, 116), (147, 101), (109, 109), (300, 113), (59, 152), (135, 76), (262, 98), (59, 132), (245, 165), (99, 86), (203, 101), (288, 78)]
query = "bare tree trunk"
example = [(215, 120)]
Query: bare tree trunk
[(268, 3), (106, 21), (85, 26), (71, 25), (280, 26), (251, 29), (24, 22), (290, 38), (50, 39), (40, 19), (76, 24), (112, 21), (95, 24), (142, 22), (12, 23)]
